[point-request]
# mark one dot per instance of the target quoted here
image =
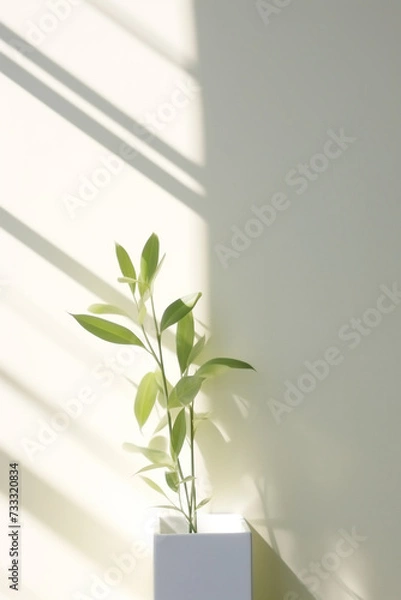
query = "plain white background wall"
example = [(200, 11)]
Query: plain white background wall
[(268, 86)]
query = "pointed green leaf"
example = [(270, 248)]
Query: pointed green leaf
[(184, 340), (161, 399), (179, 432), (145, 398), (159, 266), (144, 289), (107, 309), (172, 480), (187, 479), (149, 468), (126, 266), (127, 280), (172, 507), (173, 401), (106, 330), (218, 366), (154, 486), (162, 424), (196, 350), (178, 309), (185, 391), (158, 457), (159, 379), (149, 260), (203, 503)]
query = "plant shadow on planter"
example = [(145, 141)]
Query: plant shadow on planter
[(271, 576)]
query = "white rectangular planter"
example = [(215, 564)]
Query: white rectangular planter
[(213, 564)]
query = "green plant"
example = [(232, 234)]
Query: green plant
[(155, 392)]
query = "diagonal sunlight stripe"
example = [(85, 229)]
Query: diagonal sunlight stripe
[(61, 260), (81, 529), (126, 21), (37, 57), (98, 132), (68, 265)]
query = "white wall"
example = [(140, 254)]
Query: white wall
[(267, 90)]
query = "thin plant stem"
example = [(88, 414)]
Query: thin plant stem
[(193, 486), (170, 427)]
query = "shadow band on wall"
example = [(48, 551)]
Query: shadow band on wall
[(31, 53), (97, 132), (69, 266)]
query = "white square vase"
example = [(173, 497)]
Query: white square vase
[(213, 564)]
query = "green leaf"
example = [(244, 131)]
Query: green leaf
[(203, 416), (178, 309), (149, 260), (218, 366), (157, 457), (106, 330), (161, 399), (154, 486), (126, 266), (149, 468), (184, 340), (187, 479), (127, 280), (159, 490), (141, 311), (172, 507), (145, 398), (159, 266), (107, 309), (178, 433), (162, 424), (172, 480), (203, 503), (185, 391), (200, 418), (159, 379), (144, 289), (196, 350)]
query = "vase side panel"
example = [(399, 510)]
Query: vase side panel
[(203, 567)]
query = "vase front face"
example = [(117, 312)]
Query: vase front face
[(203, 566)]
